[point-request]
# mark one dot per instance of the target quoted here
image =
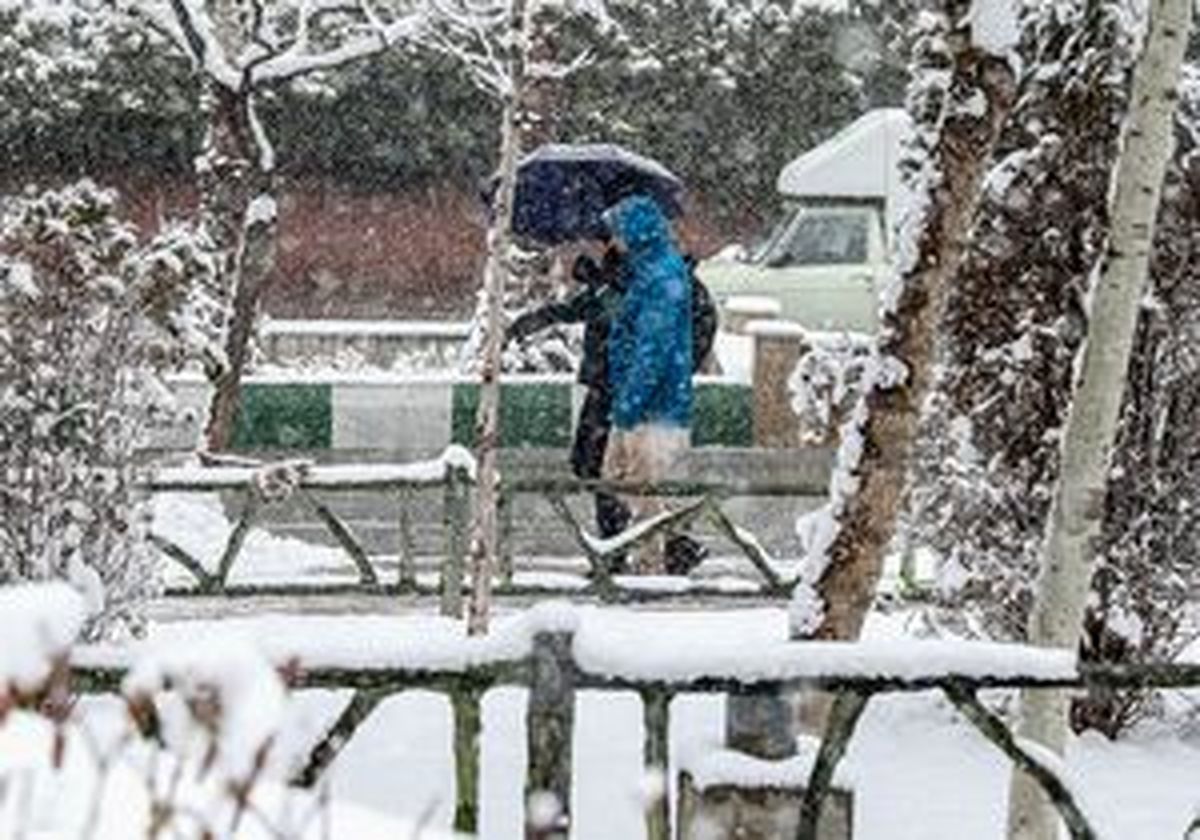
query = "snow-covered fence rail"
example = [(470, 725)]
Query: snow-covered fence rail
[(250, 490), (557, 651), (258, 486)]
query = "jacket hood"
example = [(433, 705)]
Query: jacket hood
[(638, 222)]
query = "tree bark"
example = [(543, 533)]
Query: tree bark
[(1077, 510), (485, 543), (989, 451), (254, 260), (979, 97), (233, 172)]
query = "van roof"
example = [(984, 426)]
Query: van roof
[(860, 161)]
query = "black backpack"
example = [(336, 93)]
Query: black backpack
[(704, 318)]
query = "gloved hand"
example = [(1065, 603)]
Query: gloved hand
[(585, 270)]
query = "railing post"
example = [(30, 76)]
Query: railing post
[(504, 510), (549, 728), (407, 551), (465, 704), (760, 724), (778, 346), (233, 546), (656, 706), (456, 514)]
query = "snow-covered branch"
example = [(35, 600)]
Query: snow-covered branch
[(378, 36)]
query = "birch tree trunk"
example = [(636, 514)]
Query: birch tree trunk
[(874, 459), (1077, 510), (484, 544)]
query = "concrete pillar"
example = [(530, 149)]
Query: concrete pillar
[(738, 311), (767, 812), (778, 346)]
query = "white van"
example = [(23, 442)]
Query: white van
[(828, 255)]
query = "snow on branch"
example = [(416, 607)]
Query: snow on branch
[(372, 35), (190, 27), (280, 41), (480, 33)]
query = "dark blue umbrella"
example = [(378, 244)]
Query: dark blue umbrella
[(562, 190)]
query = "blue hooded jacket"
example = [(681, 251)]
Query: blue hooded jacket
[(650, 346)]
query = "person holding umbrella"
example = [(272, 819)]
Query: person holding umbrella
[(562, 195), (649, 362), (595, 305)]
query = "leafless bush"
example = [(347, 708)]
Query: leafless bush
[(90, 319)]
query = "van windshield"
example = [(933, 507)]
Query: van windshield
[(814, 236), (762, 247)]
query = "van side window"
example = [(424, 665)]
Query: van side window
[(831, 239)]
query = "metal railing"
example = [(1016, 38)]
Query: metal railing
[(551, 668), (315, 485)]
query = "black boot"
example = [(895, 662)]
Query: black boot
[(684, 554)]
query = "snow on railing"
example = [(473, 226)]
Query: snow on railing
[(260, 485), (557, 649)]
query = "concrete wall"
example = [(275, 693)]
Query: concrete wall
[(409, 417)]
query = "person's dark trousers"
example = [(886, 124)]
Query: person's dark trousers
[(587, 457)]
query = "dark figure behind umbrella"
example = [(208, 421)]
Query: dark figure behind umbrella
[(594, 306)]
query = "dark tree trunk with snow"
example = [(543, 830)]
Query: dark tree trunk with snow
[(1014, 319), (239, 50), (976, 102), (238, 210)]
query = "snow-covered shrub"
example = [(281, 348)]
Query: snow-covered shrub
[(187, 751), (90, 318), (40, 622), (1015, 318), (1147, 574)]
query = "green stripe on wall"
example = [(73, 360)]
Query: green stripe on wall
[(300, 416), (291, 416), (722, 415), (531, 414)]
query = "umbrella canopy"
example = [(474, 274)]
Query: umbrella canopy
[(562, 190)]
